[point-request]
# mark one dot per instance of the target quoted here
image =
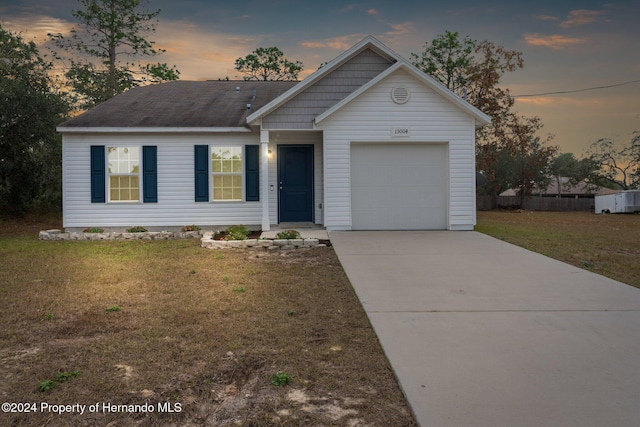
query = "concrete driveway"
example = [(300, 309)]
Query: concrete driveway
[(483, 333)]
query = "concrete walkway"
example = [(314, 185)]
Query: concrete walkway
[(483, 333), (306, 230)]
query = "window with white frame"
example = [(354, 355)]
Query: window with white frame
[(226, 170), (124, 174)]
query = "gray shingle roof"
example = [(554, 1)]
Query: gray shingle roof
[(183, 104)]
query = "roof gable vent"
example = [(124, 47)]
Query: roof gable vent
[(400, 95)]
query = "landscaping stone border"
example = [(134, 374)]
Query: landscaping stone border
[(147, 235), (206, 242), (265, 244)]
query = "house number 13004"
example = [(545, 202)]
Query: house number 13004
[(400, 132)]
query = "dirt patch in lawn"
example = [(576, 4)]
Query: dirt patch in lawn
[(198, 336), (605, 244)]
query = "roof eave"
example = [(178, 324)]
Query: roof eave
[(64, 129)]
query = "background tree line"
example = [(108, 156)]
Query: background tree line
[(510, 153), (109, 52)]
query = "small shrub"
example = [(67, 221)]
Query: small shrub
[(48, 316), (137, 229), (49, 385), (288, 234), (239, 289), (64, 376), (192, 271), (93, 230), (46, 385), (190, 228), (113, 308), (280, 379), (237, 232)]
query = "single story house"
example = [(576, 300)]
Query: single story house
[(366, 142)]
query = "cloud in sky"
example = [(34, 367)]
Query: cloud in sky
[(547, 18), (582, 17), (337, 43), (373, 12), (555, 41), (200, 53), (36, 27)]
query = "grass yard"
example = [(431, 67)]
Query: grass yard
[(200, 336), (605, 244)]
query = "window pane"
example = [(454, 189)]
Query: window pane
[(236, 152), (237, 181), (237, 193), (135, 188)]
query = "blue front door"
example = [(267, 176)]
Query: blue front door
[(295, 182)]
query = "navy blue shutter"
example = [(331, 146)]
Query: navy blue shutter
[(201, 172), (252, 171), (98, 174), (150, 174)]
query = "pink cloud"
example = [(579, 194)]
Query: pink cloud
[(338, 43), (373, 12), (581, 17), (555, 41)]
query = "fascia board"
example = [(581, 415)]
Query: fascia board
[(62, 129)]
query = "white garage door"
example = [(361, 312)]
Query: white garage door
[(399, 186)]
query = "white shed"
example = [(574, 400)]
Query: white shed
[(366, 142)]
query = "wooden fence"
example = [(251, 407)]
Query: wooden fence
[(535, 203)]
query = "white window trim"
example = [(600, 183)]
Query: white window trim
[(109, 174), (242, 173)]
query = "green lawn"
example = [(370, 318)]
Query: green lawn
[(134, 322), (605, 244)]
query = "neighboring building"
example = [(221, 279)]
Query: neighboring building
[(580, 190), (366, 142)]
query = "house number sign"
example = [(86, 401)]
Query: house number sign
[(398, 132)]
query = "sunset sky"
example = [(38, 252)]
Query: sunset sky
[(567, 45)]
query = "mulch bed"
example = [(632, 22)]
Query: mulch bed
[(223, 234)]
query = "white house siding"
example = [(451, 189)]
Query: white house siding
[(299, 112), (175, 206), (303, 138), (371, 118)]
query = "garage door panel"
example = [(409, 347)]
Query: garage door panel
[(395, 187)]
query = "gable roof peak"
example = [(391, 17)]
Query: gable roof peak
[(369, 42)]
